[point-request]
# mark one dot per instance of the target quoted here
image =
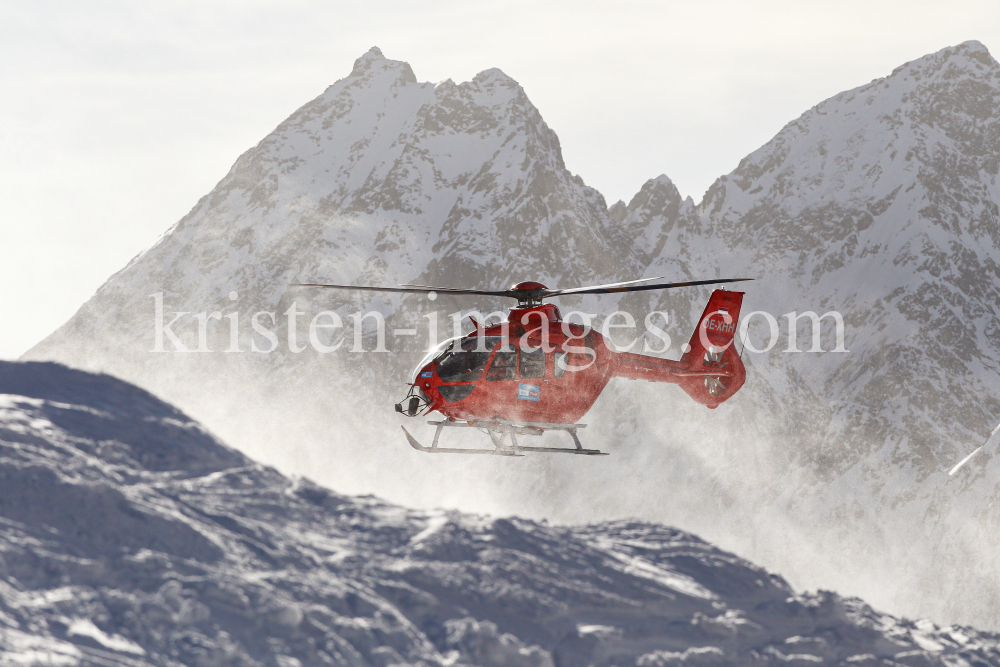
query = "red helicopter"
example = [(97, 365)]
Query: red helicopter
[(536, 373)]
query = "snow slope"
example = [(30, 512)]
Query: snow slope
[(131, 536)]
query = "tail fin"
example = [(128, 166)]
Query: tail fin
[(713, 346)]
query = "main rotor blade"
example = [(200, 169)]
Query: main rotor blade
[(572, 290), (462, 290), (602, 289), (411, 289), (611, 288), (513, 293)]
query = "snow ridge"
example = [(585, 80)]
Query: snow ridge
[(109, 556)]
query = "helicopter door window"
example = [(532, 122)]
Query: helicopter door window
[(504, 366), (561, 364), (532, 363), (572, 361)]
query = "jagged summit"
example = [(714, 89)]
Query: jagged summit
[(495, 76), (972, 46), (373, 63), (652, 214), (971, 51), (617, 211)]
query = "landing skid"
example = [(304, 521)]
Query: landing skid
[(499, 430)]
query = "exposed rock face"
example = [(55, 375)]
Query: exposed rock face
[(130, 536), (880, 203)]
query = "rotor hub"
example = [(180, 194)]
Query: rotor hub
[(529, 285), (529, 293)]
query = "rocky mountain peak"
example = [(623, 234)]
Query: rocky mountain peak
[(495, 77), (373, 63), (617, 211), (652, 214), (971, 54)]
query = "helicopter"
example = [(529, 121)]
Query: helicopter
[(536, 373)]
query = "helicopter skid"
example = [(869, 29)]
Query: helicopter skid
[(499, 430)]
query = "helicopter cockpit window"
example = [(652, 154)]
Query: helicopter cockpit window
[(532, 363), (504, 366), (465, 362)]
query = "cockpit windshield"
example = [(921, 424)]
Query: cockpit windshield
[(466, 361), (436, 352), (468, 344)]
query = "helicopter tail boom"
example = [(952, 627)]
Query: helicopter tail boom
[(710, 370)]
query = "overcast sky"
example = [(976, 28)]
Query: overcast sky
[(116, 117)]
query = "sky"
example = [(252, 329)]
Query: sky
[(116, 116)]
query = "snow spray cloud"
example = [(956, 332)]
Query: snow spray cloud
[(326, 331), (730, 476)]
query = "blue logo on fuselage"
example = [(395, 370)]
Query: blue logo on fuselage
[(528, 392)]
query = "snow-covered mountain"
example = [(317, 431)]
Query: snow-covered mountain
[(883, 202), (379, 180), (131, 536), (880, 203)]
